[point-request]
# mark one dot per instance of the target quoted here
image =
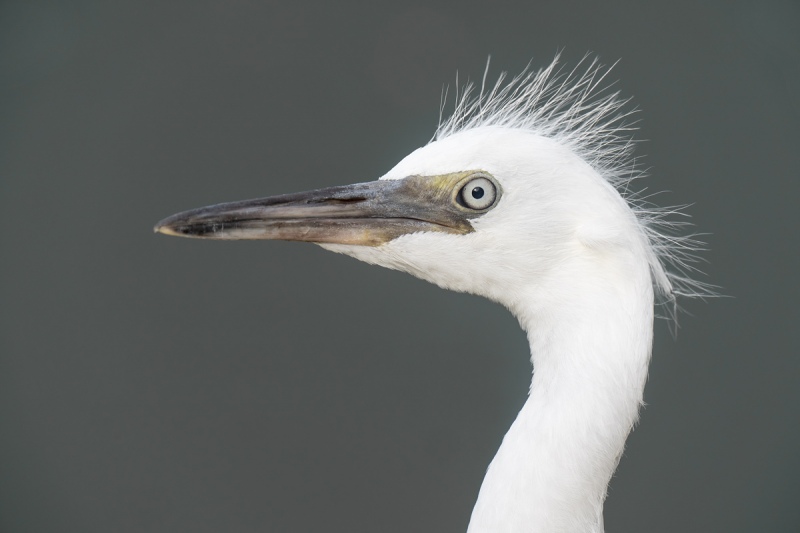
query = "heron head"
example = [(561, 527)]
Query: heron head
[(479, 211)]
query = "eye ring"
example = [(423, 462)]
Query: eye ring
[(478, 193)]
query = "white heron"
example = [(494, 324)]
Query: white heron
[(521, 197)]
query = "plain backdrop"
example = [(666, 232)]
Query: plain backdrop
[(153, 384)]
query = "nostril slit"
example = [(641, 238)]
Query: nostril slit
[(334, 201)]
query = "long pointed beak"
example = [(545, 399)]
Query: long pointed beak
[(365, 213)]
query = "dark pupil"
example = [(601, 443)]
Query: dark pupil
[(477, 193)]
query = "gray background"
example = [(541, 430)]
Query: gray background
[(158, 384)]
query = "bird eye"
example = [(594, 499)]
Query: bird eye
[(479, 193)]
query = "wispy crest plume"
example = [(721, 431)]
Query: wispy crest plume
[(579, 109)]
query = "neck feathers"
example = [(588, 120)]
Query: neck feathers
[(590, 355)]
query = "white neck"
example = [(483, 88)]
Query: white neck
[(590, 356)]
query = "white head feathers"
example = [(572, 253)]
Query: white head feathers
[(578, 109)]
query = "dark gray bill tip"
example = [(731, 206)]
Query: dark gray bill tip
[(201, 224), (177, 225)]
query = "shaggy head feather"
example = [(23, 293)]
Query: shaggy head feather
[(578, 109)]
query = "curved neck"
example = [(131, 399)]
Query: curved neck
[(590, 358)]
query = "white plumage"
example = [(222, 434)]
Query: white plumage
[(564, 245)]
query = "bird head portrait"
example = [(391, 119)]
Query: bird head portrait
[(524, 196)]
